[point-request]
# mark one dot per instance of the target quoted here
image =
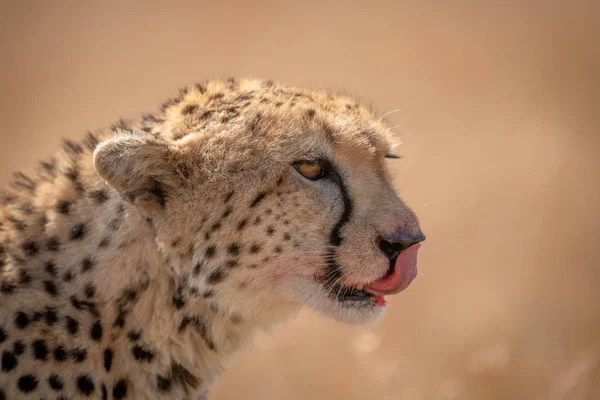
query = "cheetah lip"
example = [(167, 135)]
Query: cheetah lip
[(400, 275), (398, 279)]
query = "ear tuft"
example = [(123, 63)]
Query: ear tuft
[(137, 167)]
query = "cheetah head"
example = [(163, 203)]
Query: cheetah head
[(266, 198)]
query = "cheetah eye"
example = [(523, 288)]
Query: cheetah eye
[(310, 169)]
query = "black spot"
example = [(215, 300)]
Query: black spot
[(9, 361), (99, 196), (7, 288), (197, 268), (72, 174), (85, 385), (18, 347), (278, 249), (96, 331), (231, 264), (242, 224), (50, 287), (24, 277), (21, 320), (129, 295), (27, 383), (120, 389), (3, 335), (23, 181), (50, 316), (79, 355), (255, 248), (229, 196), (37, 316), (206, 114), (60, 354), (257, 200), (40, 349), (104, 392), (90, 141), (216, 96), (108, 357), (183, 376), (157, 191), (49, 166), (50, 268), (310, 113), (236, 319), (53, 244), (114, 224), (72, 148), (68, 276), (90, 291), (55, 382), (200, 88), (104, 243), (286, 236), (72, 325), (215, 277), (63, 207), (209, 293), (87, 264), (270, 230), (189, 109), (210, 251), (134, 335), (142, 354), (163, 383), (85, 305), (215, 227), (30, 248), (234, 249), (178, 300), (120, 320), (78, 232)]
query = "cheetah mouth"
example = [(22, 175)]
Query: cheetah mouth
[(402, 271)]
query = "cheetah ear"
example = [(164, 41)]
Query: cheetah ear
[(138, 168)]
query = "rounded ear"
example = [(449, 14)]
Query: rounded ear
[(139, 168)]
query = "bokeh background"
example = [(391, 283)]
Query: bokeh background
[(499, 113)]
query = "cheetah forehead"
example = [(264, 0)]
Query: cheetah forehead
[(254, 109)]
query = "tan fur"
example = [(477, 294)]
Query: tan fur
[(182, 234)]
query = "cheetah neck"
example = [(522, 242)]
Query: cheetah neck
[(149, 308), (94, 258)]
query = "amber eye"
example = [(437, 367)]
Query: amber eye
[(312, 170)]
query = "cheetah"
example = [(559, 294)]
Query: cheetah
[(139, 261)]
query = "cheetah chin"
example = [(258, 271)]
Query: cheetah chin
[(138, 262)]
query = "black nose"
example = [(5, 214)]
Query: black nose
[(402, 242)]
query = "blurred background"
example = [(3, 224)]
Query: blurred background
[(499, 116)]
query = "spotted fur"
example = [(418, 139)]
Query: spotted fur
[(137, 263)]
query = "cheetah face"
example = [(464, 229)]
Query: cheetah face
[(282, 207)]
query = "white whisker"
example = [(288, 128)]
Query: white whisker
[(388, 113)]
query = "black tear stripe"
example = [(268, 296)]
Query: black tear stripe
[(334, 271)]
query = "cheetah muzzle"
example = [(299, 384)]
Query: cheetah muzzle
[(138, 262)]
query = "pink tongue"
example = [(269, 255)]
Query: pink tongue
[(405, 270)]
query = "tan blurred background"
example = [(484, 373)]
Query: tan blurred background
[(499, 114)]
